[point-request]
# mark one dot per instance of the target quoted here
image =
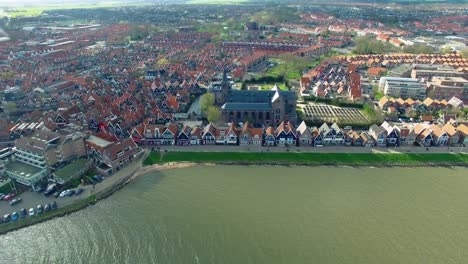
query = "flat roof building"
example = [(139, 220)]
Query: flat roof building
[(448, 87), (402, 87)]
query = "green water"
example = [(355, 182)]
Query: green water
[(236, 214)]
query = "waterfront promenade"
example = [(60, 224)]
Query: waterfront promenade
[(324, 149), (110, 184)]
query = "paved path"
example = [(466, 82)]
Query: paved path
[(325, 149)]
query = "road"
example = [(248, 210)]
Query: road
[(325, 149)]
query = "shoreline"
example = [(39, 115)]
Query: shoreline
[(183, 164), (142, 169)]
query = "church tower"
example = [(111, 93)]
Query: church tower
[(223, 94)]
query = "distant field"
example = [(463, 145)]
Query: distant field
[(216, 2), (38, 10)]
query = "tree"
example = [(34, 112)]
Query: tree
[(161, 62), (464, 53), (419, 49), (369, 45), (213, 114), (206, 101)]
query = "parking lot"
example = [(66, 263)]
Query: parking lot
[(331, 114), (33, 199)]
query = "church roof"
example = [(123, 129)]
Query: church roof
[(244, 96), (246, 106)]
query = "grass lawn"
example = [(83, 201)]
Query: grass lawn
[(269, 86), (278, 70), (70, 169), (286, 158)]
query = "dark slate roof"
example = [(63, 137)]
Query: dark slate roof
[(244, 96), (247, 106)]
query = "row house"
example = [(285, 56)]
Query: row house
[(286, 135), (184, 136), (196, 136), (385, 135), (227, 135), (250, 135), (160, 134), (332, 135), (379, 134), (304, 133)]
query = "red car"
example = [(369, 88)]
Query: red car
[(9, 197)]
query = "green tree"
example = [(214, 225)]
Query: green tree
[(213, 114), (370, 45), (374, 115), (161, 62), (419, 49), (464, 53), (206, 101)]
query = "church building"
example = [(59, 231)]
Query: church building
[(267, 107)]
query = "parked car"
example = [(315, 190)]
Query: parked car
[(56, 194), (14, 216), (49, 192), (79, 191), (6, 218), (98, 178), (70, 193), (31, 211), (64, 193), (51, 187), (53, 206), (23, 213), (46, 208), (90, 180), (2, 196), (39, 209), (9, 197), (15, 201)]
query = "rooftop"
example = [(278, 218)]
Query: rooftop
[(70, 169), (23, 169), (98, 141)]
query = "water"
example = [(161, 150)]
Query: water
[(237, 214)]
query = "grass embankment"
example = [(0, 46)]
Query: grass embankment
[(23, 222), (295, 158)]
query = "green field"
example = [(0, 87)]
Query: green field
[(285, 158), (269, 86), (38, 10)]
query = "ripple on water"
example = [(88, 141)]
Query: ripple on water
[(234, 214)]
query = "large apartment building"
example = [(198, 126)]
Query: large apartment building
[(428, 71), (448, 87), (37, 154), (402, 87)]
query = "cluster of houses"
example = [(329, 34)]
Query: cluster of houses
[(331, 78), (392, 105), (286, 134)]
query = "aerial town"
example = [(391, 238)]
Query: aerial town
[(82, 94)]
